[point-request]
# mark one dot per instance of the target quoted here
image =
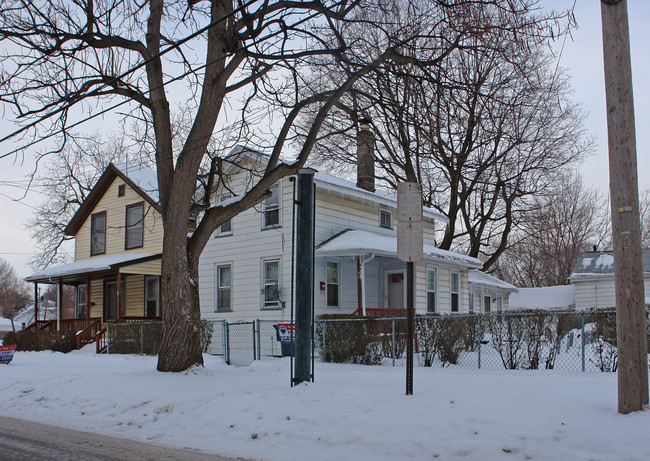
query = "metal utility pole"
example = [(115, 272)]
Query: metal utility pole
[(626, 227), (304, 274)]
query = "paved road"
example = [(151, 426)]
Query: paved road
[(26, 440)]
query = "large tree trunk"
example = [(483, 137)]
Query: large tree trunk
[(181, 336)]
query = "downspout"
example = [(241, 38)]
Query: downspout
[(359, 299), (363, 283)]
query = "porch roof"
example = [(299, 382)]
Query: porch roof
[(74, 271), (481, 279), (358, 242)]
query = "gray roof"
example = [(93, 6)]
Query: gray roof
[(601, 264)]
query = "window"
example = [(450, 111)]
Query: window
[(271, 208), (98, 234), (432, 283), (225, 228), (120, 190), (332, 287), (271, 287), (224, 287), (486, 304), (134, 226), (385, 219), (471, 302), (499, 304), (455, 291), (81, 301), (152, 296)]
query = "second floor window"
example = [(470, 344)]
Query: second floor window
[(98, 234), (385, 219), (134, 226), (271, 208), (225, 228)]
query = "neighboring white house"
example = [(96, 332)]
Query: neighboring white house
[(245, 271), (593, 278), (557, 298), (488, 293)]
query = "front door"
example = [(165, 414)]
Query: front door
[(110, 301), (395, 290)]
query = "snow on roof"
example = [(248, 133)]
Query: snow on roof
[(557, 297), (96, 264), (354, 242), (600, 264), (145, 178), (477, 277), (330, 182)]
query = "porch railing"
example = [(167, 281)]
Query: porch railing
[(382, 312), (87, 335), (100, 341)]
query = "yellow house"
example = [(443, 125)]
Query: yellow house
[(118, 235)]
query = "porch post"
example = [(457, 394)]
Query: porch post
[(59, 303), (118, 299), (359, 296), (87, 300), (35, 301)]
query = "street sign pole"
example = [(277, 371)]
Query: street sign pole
[(409, 249)]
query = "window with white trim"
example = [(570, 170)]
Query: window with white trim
[(499, 304), (225, 228), (224, 287), (332, 286), (454, 285), (271, 284), (271, 208), (385, 219), (432, 285), (471, 302)]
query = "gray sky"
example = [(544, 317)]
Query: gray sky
[(582, 56)]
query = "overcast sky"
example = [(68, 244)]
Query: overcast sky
[(582, 56)]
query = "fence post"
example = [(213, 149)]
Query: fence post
[(226, 342), (582, 335), (141, 339), (393, 340), (259, 339), (254, 343), (223, 339), (480, 338)]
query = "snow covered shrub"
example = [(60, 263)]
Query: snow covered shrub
[(472, 332), (26, 340), (507, 333), (603, 348), (349, 341), (387, 337), (207, 330), (451, 336), (426, 329)]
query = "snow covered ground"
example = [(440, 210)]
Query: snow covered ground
[(350, 412)]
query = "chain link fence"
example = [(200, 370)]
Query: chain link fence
[(571, 341)]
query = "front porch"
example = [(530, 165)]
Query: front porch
[(97, 299)]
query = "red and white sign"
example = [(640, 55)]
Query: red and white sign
[(287, 332), (7, 353), (410, 231)]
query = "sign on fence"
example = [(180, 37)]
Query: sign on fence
[(287, 332), (7, 353)]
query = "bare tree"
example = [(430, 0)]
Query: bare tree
[(564, 223), (64, 57), (14, 293), (485, 128)]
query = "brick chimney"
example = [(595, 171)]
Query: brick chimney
[(365, 156)]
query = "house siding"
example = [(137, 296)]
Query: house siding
[(336, 211), (115, 208)]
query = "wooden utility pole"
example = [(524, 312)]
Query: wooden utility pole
[(626, 226)]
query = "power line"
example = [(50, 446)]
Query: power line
[(104, 111), (127, 72)]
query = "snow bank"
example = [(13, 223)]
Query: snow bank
[(350, 412)]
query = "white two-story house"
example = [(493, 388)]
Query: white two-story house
[(245, 271)]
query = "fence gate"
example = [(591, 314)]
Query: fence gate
[(241, 344)]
